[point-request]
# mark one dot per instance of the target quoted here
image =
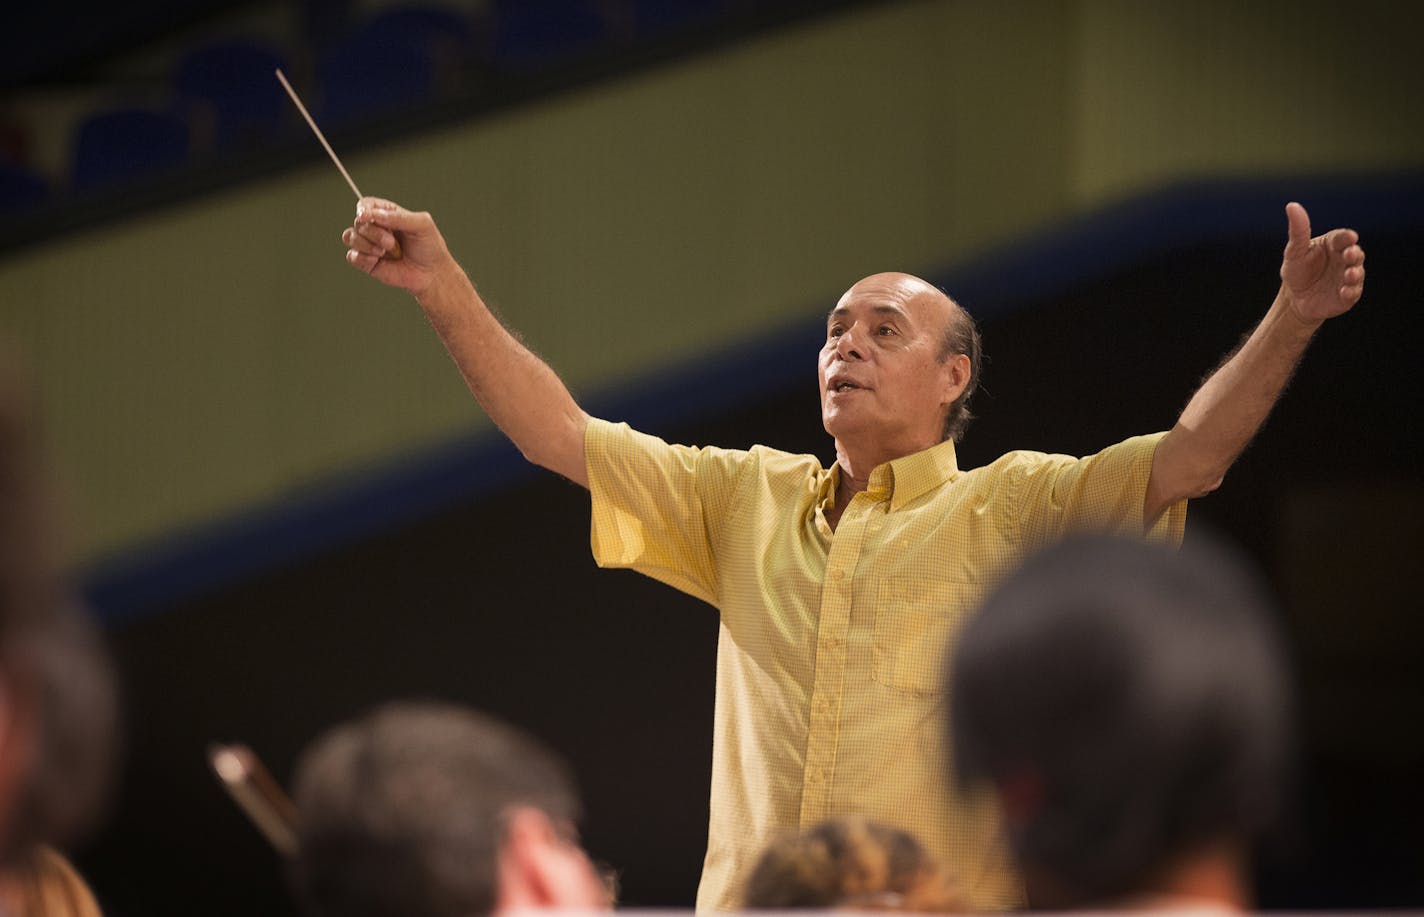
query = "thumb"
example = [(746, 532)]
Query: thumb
[(1298, 222)]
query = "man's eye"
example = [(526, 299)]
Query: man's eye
[(885, 331), (835, 332)]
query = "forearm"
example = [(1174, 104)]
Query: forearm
[(1321, 277), (1228, 409), (519, 391)]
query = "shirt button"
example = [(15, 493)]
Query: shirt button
[(836, 574)]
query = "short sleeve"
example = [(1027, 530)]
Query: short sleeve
[(1057, 494), (658, 508)]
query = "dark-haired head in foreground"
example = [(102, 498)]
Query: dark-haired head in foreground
[(1130, 706), (432, 810), (851, 863)]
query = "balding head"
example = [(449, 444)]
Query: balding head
[(959, 335), (928, 349)]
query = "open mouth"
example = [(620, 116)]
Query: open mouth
[(844, 386)]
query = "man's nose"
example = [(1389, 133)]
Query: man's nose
[(846, 346)]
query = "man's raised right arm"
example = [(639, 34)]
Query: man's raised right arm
[(520, 393)]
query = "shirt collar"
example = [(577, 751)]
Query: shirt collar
[(909, 477), (915, 475)]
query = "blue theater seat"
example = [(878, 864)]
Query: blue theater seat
[(122, 145), (652, 18), (21, 189), (233, 79), (401, 57), (532, 34)]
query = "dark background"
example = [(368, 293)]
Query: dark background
[(495, 600)]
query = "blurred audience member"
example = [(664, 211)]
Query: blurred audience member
[(41, 883), (57, 695), (1130, 706), (432, 810), (851, 863), (77, 738)]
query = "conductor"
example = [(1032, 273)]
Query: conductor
[(838, 588)]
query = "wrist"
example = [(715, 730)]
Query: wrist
[(1287, 305), (446, 284)]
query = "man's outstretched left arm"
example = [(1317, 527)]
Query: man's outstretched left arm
[(1320, 278)]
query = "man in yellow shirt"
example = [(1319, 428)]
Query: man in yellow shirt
[(838, 588)]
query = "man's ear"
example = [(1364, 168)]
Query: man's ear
[(957, 372), (541, 868)]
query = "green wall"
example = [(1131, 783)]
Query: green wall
[(219, 355)]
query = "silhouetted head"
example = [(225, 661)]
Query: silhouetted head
[(1130, 705)]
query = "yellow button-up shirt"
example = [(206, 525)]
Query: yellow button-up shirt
[(829, 697)]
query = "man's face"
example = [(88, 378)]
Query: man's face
[(883, 386)]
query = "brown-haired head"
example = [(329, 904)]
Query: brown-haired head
[(851, 862), (423, 809)]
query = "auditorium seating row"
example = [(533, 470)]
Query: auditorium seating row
[(220, 100)]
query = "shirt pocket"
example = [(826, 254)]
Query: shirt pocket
[(914, 621)]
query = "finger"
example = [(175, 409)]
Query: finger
[(358, 243), (1298, 226), (392, 216), (364, 263), (1341, 239), (368, 208), (378, 238), (1353, 286), (1353, 255)]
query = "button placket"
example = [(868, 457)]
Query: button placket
[(828, 683)]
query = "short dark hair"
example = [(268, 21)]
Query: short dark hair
[(1142, 697), (402, 812), (961, 335)]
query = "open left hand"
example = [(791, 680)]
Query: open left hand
[(1321, 277)]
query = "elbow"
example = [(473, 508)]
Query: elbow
[(1186, 477), (544, 456), (532, 454), (1210, 485), (570, 466), (1170, 485), (560, 448)]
